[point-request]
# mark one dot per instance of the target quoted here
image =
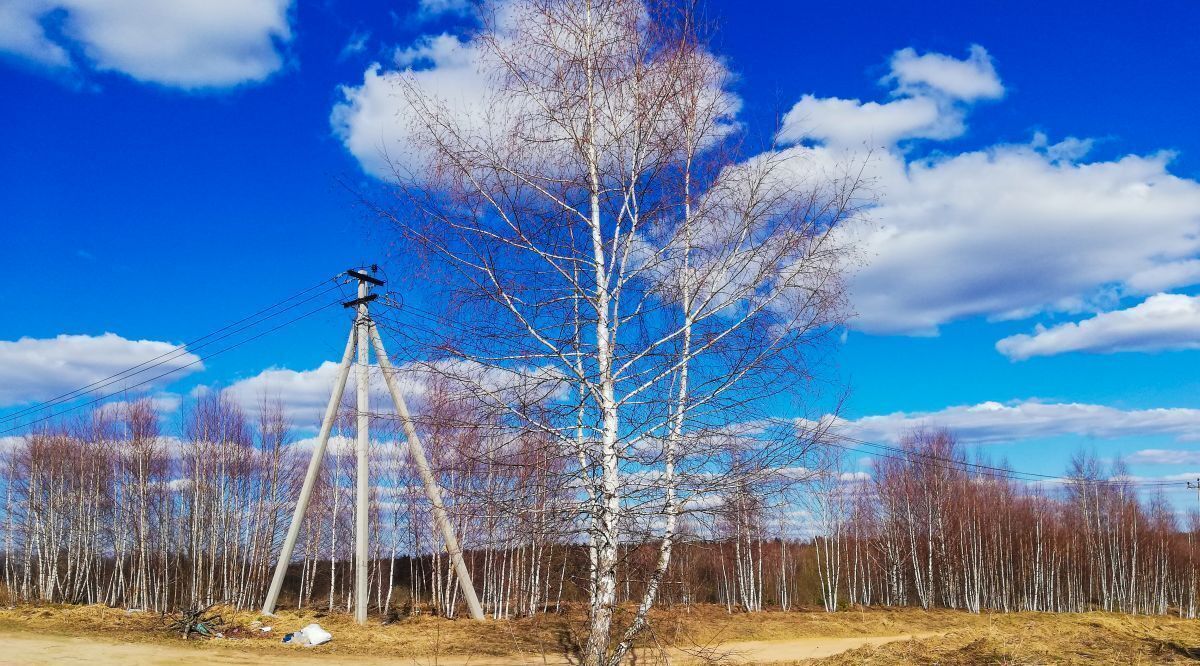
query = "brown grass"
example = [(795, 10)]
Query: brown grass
[(1015, 638), (423, 635), (411, 637), (1043, 638)]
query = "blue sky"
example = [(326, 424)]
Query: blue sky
[(158, 192)]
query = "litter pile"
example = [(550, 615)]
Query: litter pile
[(309, 636), (198, 621)]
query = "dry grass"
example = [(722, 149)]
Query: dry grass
[(710, 625), (1015, 638), (410, 637), (1043, 638), (423, 635)]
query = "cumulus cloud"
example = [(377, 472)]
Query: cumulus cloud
[(1004, 232), (458, 80), (1161, 322), (38, 369), (969, 80), (163, 403), (355, 45), (10, 443), (22, 34), (390, 453), (1164, 457), (1178, 478), (931, 92), (1011, 231), (1002, 422), (304, 394), (374, 120), (189, 44), (847, 122)]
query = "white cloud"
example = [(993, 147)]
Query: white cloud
[(999, 422), (390, 452), (162, 403), (1003, 232), (458, 80), (189, 44), (1070, 149), (1163, 321), (304, 394), (1010, 231), (847, 122), (1165, 276), (437, 51), (931, 93), (355, 45), (1164, 457), (11, 443), (1179, 478), (972, 79), (1167, 484), (21, 33), (374, 120), (427, 9), (34, 370)]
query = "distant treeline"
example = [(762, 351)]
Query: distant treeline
[(109, 510)]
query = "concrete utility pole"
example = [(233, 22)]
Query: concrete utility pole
[(362, 336), (1195, 486), (362, 476)]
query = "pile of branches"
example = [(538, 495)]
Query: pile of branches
[(198, 621)]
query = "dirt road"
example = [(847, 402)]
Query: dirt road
[(33, 648), (768, 652)]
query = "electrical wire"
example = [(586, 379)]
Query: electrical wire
[(171, 371), (877, 449), (874, 449), (178, 352), (951, 464)]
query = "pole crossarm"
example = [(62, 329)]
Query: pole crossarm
[(362, 276), (360, 301)]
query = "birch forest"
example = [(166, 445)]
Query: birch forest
[(112, 510)]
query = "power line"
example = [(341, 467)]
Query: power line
[(884, 450), (177, 352), (951, 464), (171, 371)]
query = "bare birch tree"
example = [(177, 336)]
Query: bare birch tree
[(612, 259)]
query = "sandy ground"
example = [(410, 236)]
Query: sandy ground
[(25, 647)]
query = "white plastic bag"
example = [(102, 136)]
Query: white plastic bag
[(316, 635)]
